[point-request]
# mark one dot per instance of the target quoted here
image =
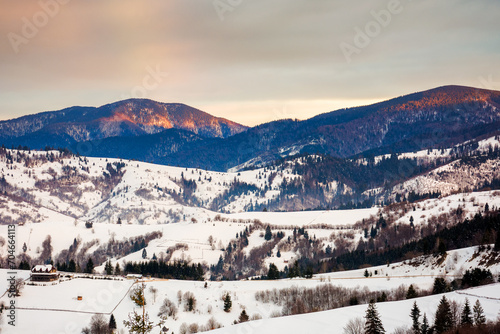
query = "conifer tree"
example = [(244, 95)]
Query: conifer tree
[(137, 295), (268, 236), (479, 318), (112, 323), (144, 253), (439, 286), (466, 318), (109, 268), (425, 325), (138, 323), (71, 266), (89, 268), (373, 323), (273, 272), (415, 316), (444, 318), (243, 317), (412, 293), (118, 271), (227, 303)]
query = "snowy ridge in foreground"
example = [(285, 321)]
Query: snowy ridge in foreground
[(392, 314), (47, 305)]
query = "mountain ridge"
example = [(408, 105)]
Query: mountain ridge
[(130, 117), (438, 117)]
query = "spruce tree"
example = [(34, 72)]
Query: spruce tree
[(89, 268), (273, 272), (112, 323), (139, 323), (144, 253), (444, 319), (227, 303), (373, 323), (71, 266), (479, 318), (269, 235), (415, 316), (412, 293), (137, 295), (439, 286), (243, 317), (109, 268), (425, 325), (466, 318), (118, 271)]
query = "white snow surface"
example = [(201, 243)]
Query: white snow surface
[(393, 314), (55, 308)]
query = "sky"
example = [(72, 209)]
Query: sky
[(251, 61)]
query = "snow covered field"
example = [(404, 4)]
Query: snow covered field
[(64, 229), (393, 314), (146, 199), (57, 309)]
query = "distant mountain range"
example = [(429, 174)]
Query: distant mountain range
[(128, 118), (177, 134)]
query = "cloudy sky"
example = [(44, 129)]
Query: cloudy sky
[(251, 61)]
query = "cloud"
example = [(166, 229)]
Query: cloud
[(93, 52)]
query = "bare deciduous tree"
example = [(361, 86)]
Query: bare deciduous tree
[(354, 326), (167, 309), (153, 291)]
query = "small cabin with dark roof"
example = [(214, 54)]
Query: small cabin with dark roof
[(44, 273)]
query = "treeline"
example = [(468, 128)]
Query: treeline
[(466, 234), (161, 269), (450, 318)]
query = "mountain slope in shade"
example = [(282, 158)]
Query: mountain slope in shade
[(127, 118), (150, 148)]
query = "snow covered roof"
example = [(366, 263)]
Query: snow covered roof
[(43, 268)]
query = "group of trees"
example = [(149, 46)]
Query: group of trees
[(314, 174), (99, 325), (467, 233), (389, 243), (235, 263), (298, 300), (449, 318), (162, 269)]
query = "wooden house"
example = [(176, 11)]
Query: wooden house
[(44, 273)]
